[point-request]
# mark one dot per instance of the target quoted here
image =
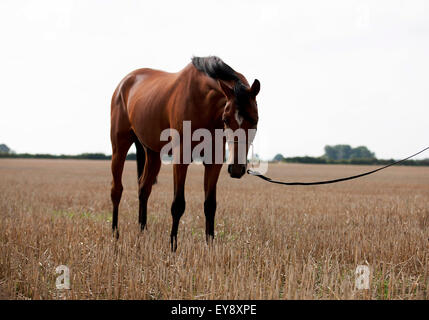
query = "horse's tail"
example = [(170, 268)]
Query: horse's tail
[(141, 159)]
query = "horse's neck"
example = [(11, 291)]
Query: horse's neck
[(208, 99)]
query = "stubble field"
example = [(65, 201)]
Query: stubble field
[(272, 242)]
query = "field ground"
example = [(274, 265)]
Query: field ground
[(272, 242)]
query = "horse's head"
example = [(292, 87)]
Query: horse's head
[(240, 119)]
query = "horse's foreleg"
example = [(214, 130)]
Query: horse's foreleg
[(178, 205), (211, 175), (151, 170)]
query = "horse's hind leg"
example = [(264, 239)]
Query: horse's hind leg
[(141, 157), (146, 180), (120, 147)]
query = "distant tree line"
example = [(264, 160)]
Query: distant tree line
[(345, 154), (338, 154), (6, 152), (87, 156)]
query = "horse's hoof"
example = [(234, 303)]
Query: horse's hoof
[(173, 243), (209, 240)]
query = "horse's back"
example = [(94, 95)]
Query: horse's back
[(143, 98), (134, 83), (154, 100)]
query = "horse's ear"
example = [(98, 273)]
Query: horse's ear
[(256, 86), (227, 90)]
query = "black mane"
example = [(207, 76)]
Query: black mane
[(215, 68)]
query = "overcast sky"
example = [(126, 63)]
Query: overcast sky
[(331, 72)]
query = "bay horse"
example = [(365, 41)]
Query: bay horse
[(207, 92)]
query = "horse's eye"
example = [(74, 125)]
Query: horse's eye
[(225, 121)]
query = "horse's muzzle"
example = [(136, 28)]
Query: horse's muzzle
[(236, 170)]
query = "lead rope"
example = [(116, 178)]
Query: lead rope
[(259, 175)]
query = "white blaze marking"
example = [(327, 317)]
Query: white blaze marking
[(238, 146), (238, 118), (229, 139)]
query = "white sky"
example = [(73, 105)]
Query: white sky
[(352, 72)]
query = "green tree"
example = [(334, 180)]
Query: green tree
[(331, 153), (345, 152), (5, 149), (338, 152), (362, 152), (278, 157)]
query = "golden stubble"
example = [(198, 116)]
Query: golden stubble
[(272, 242)]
